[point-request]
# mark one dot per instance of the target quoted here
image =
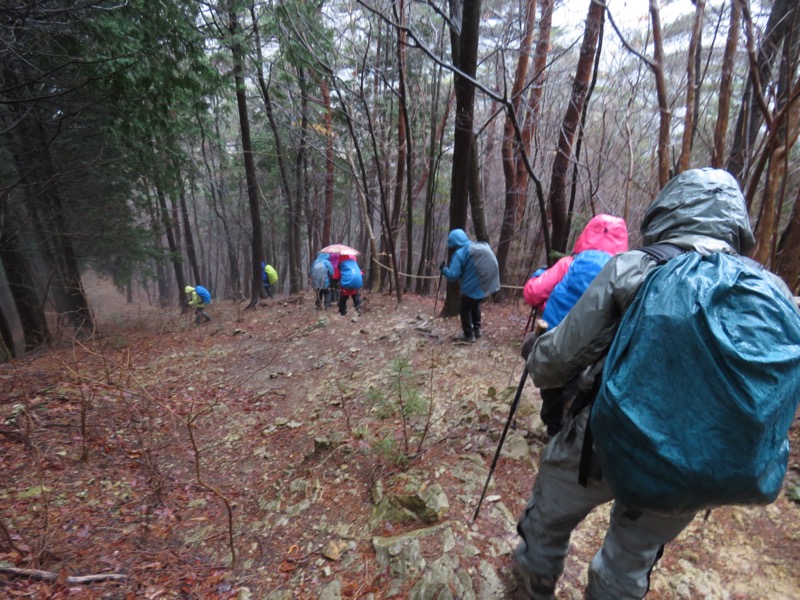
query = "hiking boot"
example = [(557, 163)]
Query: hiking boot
[(477, 333), (537, 587), (469, 338)]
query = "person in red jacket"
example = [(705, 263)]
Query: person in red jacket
[(555, 291), (350, 282)]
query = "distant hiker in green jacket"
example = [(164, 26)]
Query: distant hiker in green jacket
[(198, 297), (270, 278)]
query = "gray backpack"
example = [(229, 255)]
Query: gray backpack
[(486, 264)]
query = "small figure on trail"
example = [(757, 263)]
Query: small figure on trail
[(270, 277), (475, 266), (555, 291), (321, 273), (350, 282), (687, 361), (198, 297)]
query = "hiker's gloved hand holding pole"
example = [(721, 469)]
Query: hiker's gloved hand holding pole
[(527, 345), (539, 327)]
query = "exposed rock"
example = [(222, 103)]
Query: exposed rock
[(415, 500), (516, 447), (322, 444), (445, 580), (244, 593), (332, 591), (491, 586), (430, 505), (333, 549), (400, 554)]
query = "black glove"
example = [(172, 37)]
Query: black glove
[(442, 266), (527, 344)]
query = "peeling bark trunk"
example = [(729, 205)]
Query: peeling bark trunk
[(569, 125), (726, 87), (691, 88)]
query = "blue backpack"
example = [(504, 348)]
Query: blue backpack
[(699, 388), (204, 294), (584, 268), (350, 275)]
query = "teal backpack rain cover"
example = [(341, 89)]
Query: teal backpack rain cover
[(699, 388)]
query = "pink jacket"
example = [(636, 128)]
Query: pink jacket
[(603, 232)]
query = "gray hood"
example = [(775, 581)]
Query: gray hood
[(700, 203)]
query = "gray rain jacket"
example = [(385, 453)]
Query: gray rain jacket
[(701, 210)]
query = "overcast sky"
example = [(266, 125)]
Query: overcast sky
[(625, 12)]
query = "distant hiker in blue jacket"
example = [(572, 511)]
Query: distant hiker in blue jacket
[(321, 273), (475, 266), (350, 282)]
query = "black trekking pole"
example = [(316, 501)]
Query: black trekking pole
[(531, 320), (502, 438)]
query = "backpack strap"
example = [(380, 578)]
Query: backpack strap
[(583, 401), (662, 252)]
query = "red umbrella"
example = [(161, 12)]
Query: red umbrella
[(340, 249)]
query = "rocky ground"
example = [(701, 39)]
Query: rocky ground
[(287, 452)]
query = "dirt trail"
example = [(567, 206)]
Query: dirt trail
[(295, 418)]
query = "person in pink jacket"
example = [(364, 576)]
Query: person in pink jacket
[(555, 291)]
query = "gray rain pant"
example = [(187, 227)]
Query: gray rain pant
[(633, 543)]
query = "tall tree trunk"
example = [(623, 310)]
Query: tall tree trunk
[(191, 254), (327, 216), (751, 115), (476, 195), (300, 181), (657, 66), (692, 77), (402, 132), (515, 186), (465, 56), (68, 273), (8, 349), (155, 231), (787, 258), (569, 125), (573, 192), (249, 164), (409, 144), (174, 250), (386, 225), (217, 191), (726, 86), (22, 284), (426, 260), (786, 125)]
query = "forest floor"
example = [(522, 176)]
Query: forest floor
[(244, 458)]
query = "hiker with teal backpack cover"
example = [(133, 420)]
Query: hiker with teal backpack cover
[(696, 345)]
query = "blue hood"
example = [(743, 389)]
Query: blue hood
[(457, 239)]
